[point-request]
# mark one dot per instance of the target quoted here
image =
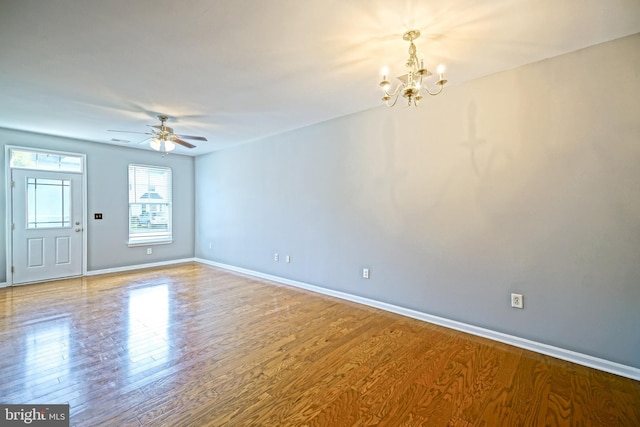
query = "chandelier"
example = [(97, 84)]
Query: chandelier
[(412, 82)]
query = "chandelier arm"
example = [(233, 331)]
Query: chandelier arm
[(433, 93), (396, 91), (394, 100)]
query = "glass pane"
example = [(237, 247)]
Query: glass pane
[(24, 159), (48, 203), (149, 219), (149, 184), (149, 203)]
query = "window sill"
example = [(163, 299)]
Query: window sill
[(150, 242)]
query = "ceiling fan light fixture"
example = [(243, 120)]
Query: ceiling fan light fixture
[(162, 145), (169, 145), (155, 144)]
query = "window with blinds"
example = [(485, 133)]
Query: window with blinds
[(149, 205)]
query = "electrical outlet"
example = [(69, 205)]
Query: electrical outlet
[(517, 301), (149, 251), (365, 273), (276, 257)]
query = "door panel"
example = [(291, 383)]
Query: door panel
[(63, 255), (35, 254), (47, 225)]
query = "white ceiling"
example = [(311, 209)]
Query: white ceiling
[(238, 70)]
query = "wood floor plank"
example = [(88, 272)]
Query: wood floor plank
[(192, 345)]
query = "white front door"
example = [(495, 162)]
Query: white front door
[(46, 225)]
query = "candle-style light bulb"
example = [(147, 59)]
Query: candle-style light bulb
[(440, 70), (384, 84)]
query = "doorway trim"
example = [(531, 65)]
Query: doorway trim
[(9, 203)]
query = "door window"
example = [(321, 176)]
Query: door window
[(48, 203), (45, 161)]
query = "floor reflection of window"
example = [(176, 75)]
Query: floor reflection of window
[(148, 341), (47, 357)]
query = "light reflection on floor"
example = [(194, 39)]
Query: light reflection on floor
[(47, 353), (148, 341)]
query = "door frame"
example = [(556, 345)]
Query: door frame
[(9, 204)]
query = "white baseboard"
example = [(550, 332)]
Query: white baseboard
[(139, 266), (557, 352), (129, 268)]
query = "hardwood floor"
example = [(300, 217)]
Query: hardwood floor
[(192, 345)]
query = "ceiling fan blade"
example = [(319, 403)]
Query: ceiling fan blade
[(181, 142), (128, 131), (197, 138)]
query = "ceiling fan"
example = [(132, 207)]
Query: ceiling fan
[(162, 137)]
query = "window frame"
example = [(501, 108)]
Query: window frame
[(134, 198)]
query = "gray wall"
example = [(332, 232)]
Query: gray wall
[(107, 192), (525, 181)]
